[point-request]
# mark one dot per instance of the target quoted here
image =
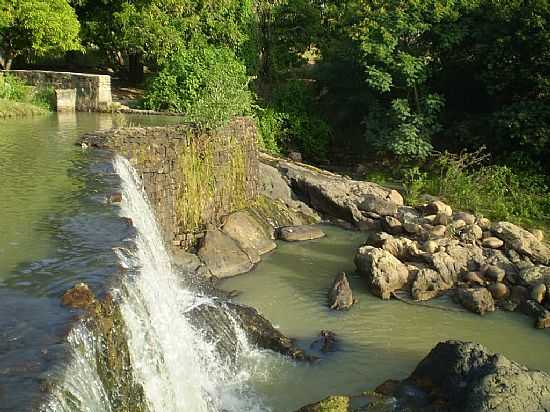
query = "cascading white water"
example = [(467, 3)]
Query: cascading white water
[(178, 368)]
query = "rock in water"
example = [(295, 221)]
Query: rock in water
[(340, 296), (79, 297), (477, 300), (326, 342), (330, 404), (464, 376), (300, 233), (253, 238), (223, 256), (384, 272)]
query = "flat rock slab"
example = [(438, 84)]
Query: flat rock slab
[(300, 233)]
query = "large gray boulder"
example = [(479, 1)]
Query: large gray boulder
[(222, 255), (463, 376), (337, 196), (429, 284), (523, 242), (384, 272), (534, 275), (253, 238)]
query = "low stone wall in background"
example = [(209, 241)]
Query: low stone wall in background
[(192, 178), (93, 91)]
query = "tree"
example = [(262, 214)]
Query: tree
[(36, 27)]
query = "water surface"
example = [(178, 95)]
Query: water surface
[(55, 230), (379, 339)]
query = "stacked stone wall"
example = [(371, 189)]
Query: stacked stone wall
[(93, 91), (157, 153)]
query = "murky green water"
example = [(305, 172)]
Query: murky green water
[(55, 230), (378, 339)]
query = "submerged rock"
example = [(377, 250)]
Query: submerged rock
[(326, 342), (463, 376), (222, 255), (300, 233), (384, 272), (340, 296)]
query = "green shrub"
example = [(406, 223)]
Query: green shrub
[(12, 88), (292, 123), (469, 182), (208, 84)]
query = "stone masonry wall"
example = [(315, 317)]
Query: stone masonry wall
[(93, 92), (157, 153)]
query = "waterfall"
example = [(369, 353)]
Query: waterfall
[(177, 365)]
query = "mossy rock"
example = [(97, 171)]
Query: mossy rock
[(330, 404)]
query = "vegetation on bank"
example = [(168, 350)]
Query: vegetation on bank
[(18, 99), (388, 81)]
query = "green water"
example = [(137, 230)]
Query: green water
[(379, 339), (55, 230)]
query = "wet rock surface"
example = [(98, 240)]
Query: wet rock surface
[(340, 296), (300, 233), (464, 376), (326, 342), (222, 255)]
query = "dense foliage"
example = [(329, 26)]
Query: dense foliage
[(353, 79), (208, 84), (17, 99), (36, 27)]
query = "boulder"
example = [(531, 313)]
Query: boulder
[(492, 242), (464, 376), (379, 205), (466, 217), (494, 273), (437, 207), (300, 233), (295, 156), (539, 234), (392, 225), (340, 296), (429, 284), (79, 297), (523, 242), (535, 274), (253, 238), (538, 312), (334, 195), (216, 320), (383, 271), (455, 259), (499, 291), (471, 233), (538, 292), (474, 278), (438, 231), (484, 223), (222, 255), (412, 228), (519, 294), (476, 300)]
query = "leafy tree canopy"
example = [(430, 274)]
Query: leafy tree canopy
[(36, 27)]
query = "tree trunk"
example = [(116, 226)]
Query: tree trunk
[(135, 68), (7, 64)]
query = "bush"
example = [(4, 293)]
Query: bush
[(12, 88), (291, 122), (467, 181), (208, 84)]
